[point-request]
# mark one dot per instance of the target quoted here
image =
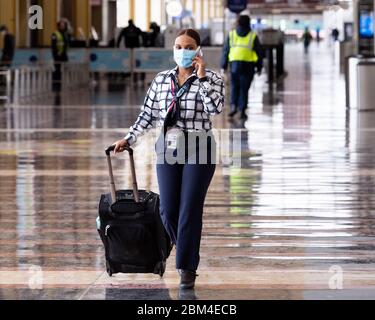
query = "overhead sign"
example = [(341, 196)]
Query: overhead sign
[(237, 6)]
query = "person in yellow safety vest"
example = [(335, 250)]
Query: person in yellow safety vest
[(59, 45), (244, 54)]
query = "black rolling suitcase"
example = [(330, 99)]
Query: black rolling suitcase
[(131, 229)]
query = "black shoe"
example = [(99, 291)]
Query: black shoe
[(243, 115), (232, 113), (187, 279), (187, 294)]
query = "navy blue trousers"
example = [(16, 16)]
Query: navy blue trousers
[(183, 189), (240, 85)]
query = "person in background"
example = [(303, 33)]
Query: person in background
[(318, 38), (94, 38), (244, 53), (307, 37), (335, 34), (9, 48), (132, 36), (145, 39), (60, 45), (155, 36)]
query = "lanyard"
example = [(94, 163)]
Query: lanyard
[(173, 110), (173, 90), (180, 92)]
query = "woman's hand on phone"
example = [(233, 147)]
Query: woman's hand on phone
[(120, 146), (200, 66)]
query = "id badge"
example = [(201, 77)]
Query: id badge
[(172, 141)]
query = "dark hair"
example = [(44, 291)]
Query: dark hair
[(3, 28), (64, 22), (244, 21), (192, 34)]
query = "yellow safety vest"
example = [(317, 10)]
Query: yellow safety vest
[(60, 44), (242, 48)]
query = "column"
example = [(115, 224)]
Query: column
[(50, 18), (194, 12), (189, 5), (355, 26), (148, 14), (163, 15), (221, 8), (131, 9), (207, 12), (8, 14), (201, 13), (105, 14), (22, 36), (82, 17), (210, 10)]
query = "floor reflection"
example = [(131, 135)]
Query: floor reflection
[(294, 200)]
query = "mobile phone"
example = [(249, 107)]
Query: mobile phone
[(199, 52)]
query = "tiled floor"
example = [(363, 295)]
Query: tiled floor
[(293, 222)]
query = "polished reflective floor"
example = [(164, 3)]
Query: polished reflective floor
[(294, 221)]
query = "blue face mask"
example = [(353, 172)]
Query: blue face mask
[(183, 57)]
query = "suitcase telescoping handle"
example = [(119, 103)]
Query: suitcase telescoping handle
[(132, 167)]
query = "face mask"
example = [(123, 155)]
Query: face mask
[(184, 58)]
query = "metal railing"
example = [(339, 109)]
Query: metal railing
[(5, 83), (31, 81), (75, 75), (26, 82)]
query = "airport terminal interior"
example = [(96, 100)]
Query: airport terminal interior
[(290, 219)]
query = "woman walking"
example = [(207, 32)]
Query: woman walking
[(182, 100)]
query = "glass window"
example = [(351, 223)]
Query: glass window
[(140, 19), (123, 14), (197, 15), (189, 5), (205, 18), (156, 11)]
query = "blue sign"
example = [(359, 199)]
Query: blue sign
[(28, 57), (103, 60), (153, 60), (76, 55), (107, 60), (366, 25), (237, 6)]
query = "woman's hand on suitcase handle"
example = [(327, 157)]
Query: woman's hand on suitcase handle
[(120, 146)]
